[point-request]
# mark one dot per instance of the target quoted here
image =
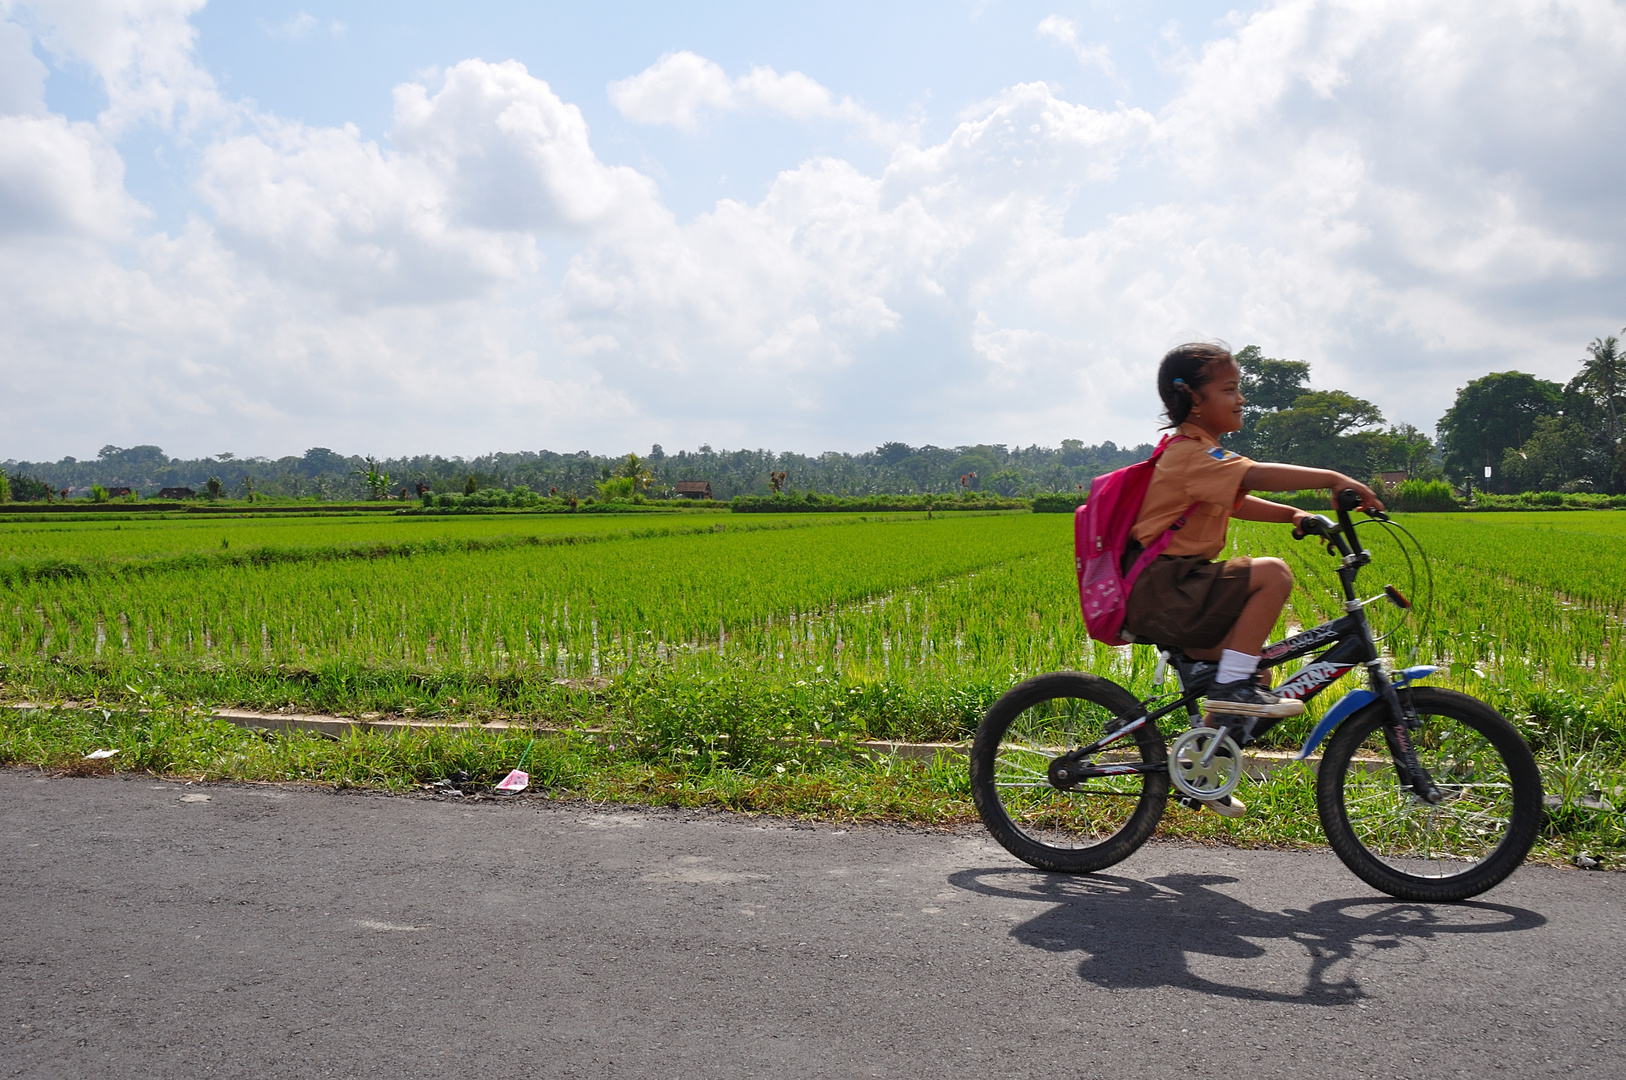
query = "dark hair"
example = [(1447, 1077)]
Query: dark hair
[(1184, 369)]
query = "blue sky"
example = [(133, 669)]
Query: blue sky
[(417, 227), (919, 62)]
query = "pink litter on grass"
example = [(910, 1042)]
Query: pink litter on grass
[(515, 781)]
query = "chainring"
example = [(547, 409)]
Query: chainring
[(1205, 763)]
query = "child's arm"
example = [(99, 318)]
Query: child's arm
[(1257, 509), (1269, 476)]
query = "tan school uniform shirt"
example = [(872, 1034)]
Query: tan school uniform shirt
[(1194, 470)]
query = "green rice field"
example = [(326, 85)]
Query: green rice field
[(834, 627), (136, 538)]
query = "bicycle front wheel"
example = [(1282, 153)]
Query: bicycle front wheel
[(1079, 829), (1473, 838)]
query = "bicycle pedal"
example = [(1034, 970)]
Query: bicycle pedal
[(1229, 807)]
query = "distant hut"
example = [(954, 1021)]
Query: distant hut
[(693, 489), (177, 493), (1392, 480)]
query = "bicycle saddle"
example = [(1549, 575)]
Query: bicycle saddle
[(1195, 675)]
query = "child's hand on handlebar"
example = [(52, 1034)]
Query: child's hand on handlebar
[(1308, 524), (1369, 498)]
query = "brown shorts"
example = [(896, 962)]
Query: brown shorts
[(1186, 601)]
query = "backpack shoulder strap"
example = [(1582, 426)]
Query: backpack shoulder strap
[(1164, 443)]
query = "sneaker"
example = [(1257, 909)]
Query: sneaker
[(1230, 806), (1246, 697)]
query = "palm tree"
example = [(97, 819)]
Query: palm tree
[(1605, 375), (634, 468)]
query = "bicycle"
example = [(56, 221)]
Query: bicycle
[(1071, 774)]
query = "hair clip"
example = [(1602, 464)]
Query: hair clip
[(1179, 382)]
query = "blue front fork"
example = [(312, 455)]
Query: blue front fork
[(1353, 702)]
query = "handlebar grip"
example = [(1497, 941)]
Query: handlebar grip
[(1314, 525)]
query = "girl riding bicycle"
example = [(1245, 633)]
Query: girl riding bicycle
[(1424, 792), (1222, 611)]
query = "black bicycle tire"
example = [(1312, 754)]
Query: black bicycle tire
[(1522, 829), (1150, 805)]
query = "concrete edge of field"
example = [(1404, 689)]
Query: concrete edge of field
[(1256, 764)]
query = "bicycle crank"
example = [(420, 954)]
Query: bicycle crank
[(1205, 763)]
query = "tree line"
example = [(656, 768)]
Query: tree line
[(1532, 433), (892, 468), (1539, 435), (1506, 432)]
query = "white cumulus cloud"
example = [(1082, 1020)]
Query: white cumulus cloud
[(513, 156), (1405, 195), (302, 25), (296, 27), (61, 178), (140, 49), (22, 76), (1065, 31), (480, 167), (680, 87)]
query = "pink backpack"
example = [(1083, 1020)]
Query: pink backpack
[(1100, 536)]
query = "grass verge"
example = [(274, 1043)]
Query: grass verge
[(805, 780)]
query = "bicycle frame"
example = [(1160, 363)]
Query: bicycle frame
[(1348, 643)]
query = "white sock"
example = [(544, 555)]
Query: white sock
[(1235, 666)]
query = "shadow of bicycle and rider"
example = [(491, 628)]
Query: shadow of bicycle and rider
[(1144, 934)]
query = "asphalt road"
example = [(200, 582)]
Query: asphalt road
[(168, 930)]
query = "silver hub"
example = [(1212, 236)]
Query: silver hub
[(1205, 763)]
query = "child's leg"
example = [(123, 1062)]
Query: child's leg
[(1270, 583), (1269, 586), (1235, 691)]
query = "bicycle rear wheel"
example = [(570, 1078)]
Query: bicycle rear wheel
[(1099, 822), (1471, 840)]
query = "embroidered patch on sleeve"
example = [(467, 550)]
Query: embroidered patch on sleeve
[(1219, 453)]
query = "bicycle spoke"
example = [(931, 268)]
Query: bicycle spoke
[(1006, 766), (1074, 819), (1441, 839)]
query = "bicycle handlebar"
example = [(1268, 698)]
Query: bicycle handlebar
[(1314, 525), (1342, 539), (1340, 534)]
